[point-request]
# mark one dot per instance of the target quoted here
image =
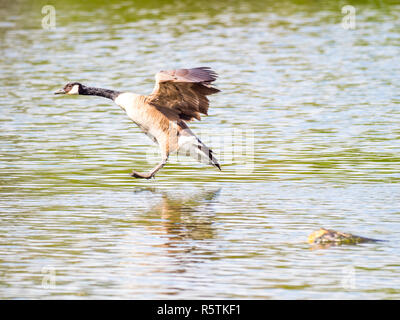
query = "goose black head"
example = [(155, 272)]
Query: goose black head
[(71, 88)]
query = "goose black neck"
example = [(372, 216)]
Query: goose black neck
[(106, 93)]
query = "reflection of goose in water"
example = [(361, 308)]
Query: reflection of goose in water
[(182, 217), (167, 239)]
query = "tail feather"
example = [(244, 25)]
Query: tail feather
[(192, 146), (206, 155)]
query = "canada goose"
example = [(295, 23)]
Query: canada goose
[(178, 96)]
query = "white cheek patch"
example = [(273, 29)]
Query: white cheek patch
[(74, 90)]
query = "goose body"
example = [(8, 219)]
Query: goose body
[(179, 96)]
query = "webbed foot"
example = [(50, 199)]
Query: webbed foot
[(139, 175)]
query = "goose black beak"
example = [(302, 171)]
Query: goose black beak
[(60, 91)]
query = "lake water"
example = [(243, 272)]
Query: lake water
[(306, 128)]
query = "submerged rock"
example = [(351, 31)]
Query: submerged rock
[(326, 236)]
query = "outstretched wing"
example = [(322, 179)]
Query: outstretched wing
[(183, 91)]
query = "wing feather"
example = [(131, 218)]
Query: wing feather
[(184, 91)]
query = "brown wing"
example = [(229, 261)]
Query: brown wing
[(183, 91)]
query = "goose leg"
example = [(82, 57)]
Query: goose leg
[(152, 173)]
